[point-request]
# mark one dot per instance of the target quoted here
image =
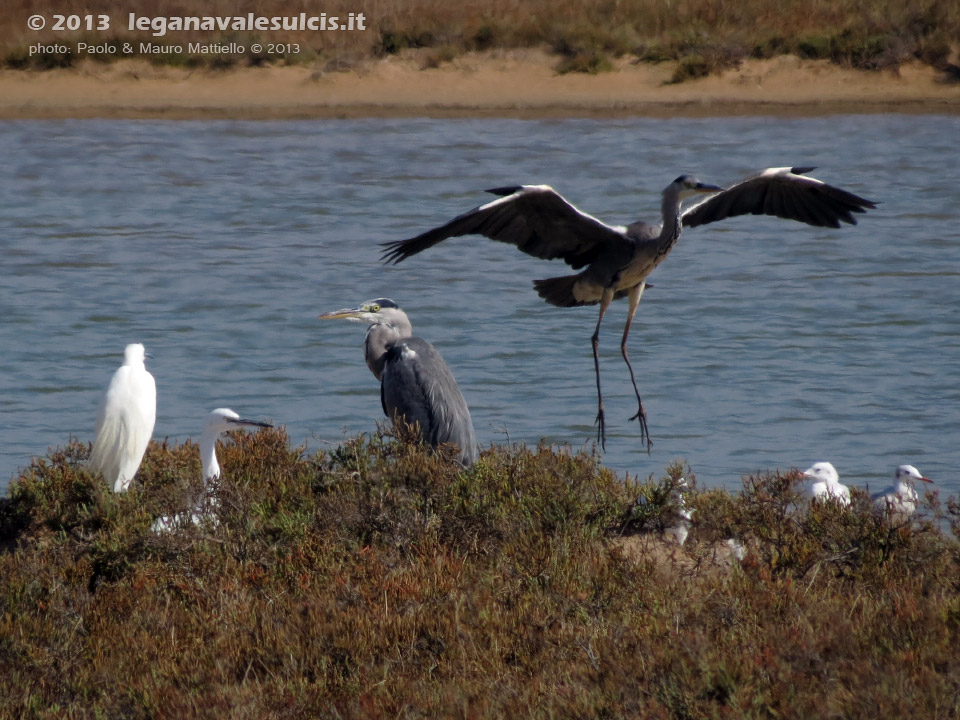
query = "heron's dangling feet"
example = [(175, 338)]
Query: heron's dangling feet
[(601, 423), (644, 430), (601, 428), (641, 414)]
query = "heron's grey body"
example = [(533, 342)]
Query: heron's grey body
[(415, 382), (618, 259)]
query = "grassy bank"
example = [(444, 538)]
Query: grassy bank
[(376, 581), (702, 36)]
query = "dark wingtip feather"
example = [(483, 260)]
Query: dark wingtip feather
[(803, 170), (393, 252), (504, 191)]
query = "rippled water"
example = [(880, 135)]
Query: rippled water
[(763, 344)]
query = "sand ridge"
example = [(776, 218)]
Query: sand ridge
[(515, 83)]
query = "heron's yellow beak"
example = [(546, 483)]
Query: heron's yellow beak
[(707, 188), (343, 314)]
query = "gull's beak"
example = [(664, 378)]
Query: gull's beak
[(707, 188), (252, 423), (925, 479), (344, 313)]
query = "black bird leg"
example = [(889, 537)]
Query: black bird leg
[(595, 340), (634, 299)]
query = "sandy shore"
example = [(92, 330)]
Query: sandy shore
[(519, 83)]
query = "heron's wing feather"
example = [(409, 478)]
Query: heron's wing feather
[(418, 386), (785, 193), (533, 217)]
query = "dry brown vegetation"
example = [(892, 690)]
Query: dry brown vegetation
[(702, 36), (377, 580)]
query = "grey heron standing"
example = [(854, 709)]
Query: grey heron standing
[(415, 383), (618, 259)]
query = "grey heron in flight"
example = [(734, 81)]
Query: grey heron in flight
[(618, 259), (415, 383)]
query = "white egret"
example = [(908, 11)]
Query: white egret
[(900, 499), (125, 421), (826, 485), (218, 422)]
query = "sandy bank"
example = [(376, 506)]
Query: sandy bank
[(519, 83)]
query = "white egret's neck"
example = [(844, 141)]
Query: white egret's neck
[(208, 455)]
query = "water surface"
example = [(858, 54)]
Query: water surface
[(764, 343)]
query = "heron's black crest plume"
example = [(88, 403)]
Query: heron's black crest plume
[(386, 303)]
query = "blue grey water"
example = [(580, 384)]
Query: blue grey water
[(764, 343)]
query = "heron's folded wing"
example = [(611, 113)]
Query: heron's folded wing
[(418, 386), (785, 193), (533, 217)]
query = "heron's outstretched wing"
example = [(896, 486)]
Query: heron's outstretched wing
[(417, 385), (533, 217), (784, 192)]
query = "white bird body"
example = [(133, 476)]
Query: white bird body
[(826, 485), (125, 421), (681, 529), (218, 422), (901, 497)]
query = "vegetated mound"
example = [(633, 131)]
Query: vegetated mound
[(378, 579)]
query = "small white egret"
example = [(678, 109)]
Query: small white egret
[(826, 485), (125, 421), (218, 422), (900, 499)]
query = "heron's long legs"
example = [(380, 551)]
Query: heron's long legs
[(634, 299), (595, 340)]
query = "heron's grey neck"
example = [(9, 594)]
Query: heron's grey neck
[(672, 224), (208, 456), (380, 336)]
